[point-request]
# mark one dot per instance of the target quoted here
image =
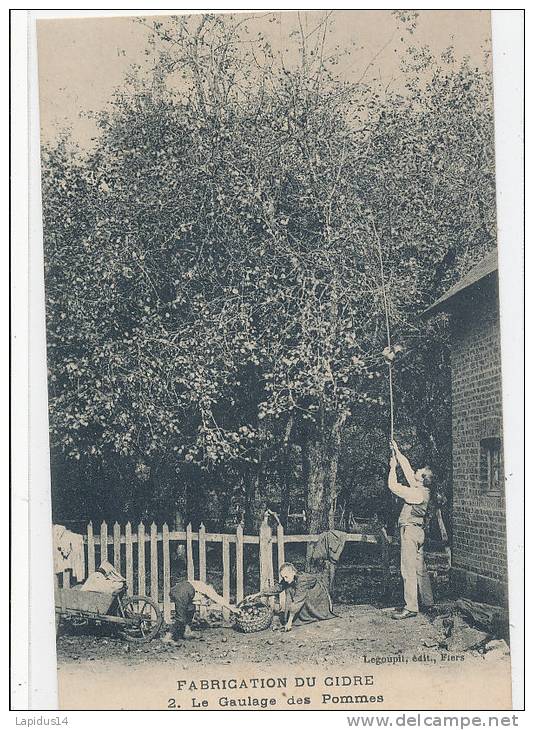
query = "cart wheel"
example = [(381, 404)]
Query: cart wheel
[(150, 618)]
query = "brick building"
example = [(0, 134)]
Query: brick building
[(479, 565)]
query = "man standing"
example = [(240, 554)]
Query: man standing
[(412, 536)]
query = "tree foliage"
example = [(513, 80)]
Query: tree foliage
[(215, 320)]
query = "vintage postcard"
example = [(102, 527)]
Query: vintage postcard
[(274, 363)]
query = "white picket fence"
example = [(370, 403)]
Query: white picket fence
[(128, 550)]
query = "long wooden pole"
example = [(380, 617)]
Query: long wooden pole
[(388, 332), (391, 417)]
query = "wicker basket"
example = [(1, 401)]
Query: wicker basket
[(254, 616)]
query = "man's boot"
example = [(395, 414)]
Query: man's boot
[(169, 639), (404, 613), (190, 634)]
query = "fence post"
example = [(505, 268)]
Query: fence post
[(103, 542), (266, 555), (166, 575), (141, 567), (239, 562), (129, 556), (91, 565), (202, 553), (280, 544), (202, 563), (190, 563), (154, 562), (117, 547), (226, 574)]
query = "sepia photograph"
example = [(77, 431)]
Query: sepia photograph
[(275, 400)]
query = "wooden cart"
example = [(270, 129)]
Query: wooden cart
[(138, 618)]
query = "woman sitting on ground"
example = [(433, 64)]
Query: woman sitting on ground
[(307, 598)]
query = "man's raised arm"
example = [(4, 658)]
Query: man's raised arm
[(404, 465), (409, 495)]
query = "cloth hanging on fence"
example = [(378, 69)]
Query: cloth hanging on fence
[(329, 546), (68, 552)]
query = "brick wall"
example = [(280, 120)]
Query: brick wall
[(479, 533)]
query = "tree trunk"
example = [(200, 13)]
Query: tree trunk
[(335, 447), (317, 511), (285, 476), (321, 464), (255, 504), (285, 498), (331, 490), (316, 470), (322, 459), (179, 556)]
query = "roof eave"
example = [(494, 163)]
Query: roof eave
[(488, 267)]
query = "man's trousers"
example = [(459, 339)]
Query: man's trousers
[(182, 595), (413, 569)]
